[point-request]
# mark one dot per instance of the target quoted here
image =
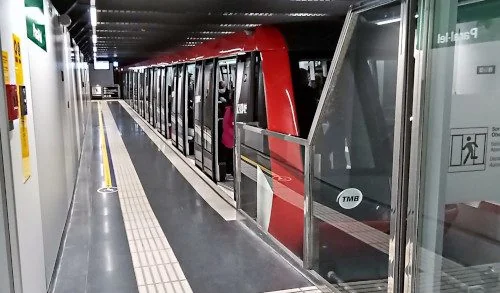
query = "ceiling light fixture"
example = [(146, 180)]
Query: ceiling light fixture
[(306, 14), (239, 24), (93, 16), (387, 21), (200, 38), (213, 32)]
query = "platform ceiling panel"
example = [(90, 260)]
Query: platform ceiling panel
[(129, 30)]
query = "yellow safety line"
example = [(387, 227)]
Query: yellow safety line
[(255, 164), (104, 151)]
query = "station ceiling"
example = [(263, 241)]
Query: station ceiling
[(133, 30)]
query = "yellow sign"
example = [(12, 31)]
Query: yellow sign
[(18, 60), (5, 62), (23, 109)]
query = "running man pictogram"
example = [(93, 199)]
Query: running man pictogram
[(471, 147), (468, 149)]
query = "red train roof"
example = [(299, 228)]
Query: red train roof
[(262, 38)]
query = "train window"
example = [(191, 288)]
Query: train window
[(261, 115), (250, 97), (308, 76), (353, 142)]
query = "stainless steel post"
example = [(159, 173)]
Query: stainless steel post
[(309, 230), (237, 165)]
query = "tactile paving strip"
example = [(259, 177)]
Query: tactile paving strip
[(156, 267)]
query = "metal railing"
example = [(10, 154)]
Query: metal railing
[(309, 257)]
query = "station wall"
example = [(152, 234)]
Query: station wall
[(58, 99), (101, 77)]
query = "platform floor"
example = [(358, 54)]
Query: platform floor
[(164, 230)]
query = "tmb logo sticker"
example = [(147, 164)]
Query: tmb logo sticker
[(350, 198)]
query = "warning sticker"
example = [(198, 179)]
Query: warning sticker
[(468, 149), (5, 62)]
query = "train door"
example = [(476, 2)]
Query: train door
[(169, 87), (135, 92), (146, 94), (208, 118), (250, 109), (139, 84), (158, 100), (142, 92), (224, 126), (133, 83), (198, 116), (173, 113), (181, 70), (151, 96), (189, 109), (249, 95), (163, 103)]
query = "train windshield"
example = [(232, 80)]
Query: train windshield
[(308, 76)]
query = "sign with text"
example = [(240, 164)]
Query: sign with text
[(35, 22), (23, 109), (110, 92)]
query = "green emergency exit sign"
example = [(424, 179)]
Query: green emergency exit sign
[(35, 22)]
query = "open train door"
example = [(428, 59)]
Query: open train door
[(189, 82), (180, 107), (208, 118), (173, 112), (198, 116)]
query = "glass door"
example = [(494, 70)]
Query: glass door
[(224, 121), (169, 91), (173, 113), (189, 109), (198, 116), (164, 108), (208, 118), (157, 107), (181, 107), (355, 140), (454, 236), (151, 97), (158, 100)]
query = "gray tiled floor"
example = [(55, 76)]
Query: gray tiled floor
[(96, 257), (215, 255)]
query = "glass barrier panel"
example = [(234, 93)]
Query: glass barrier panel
[(272, 186), (459, 218), (353, 151)]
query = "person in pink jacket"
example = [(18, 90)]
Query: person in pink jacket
[(228, 135)]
